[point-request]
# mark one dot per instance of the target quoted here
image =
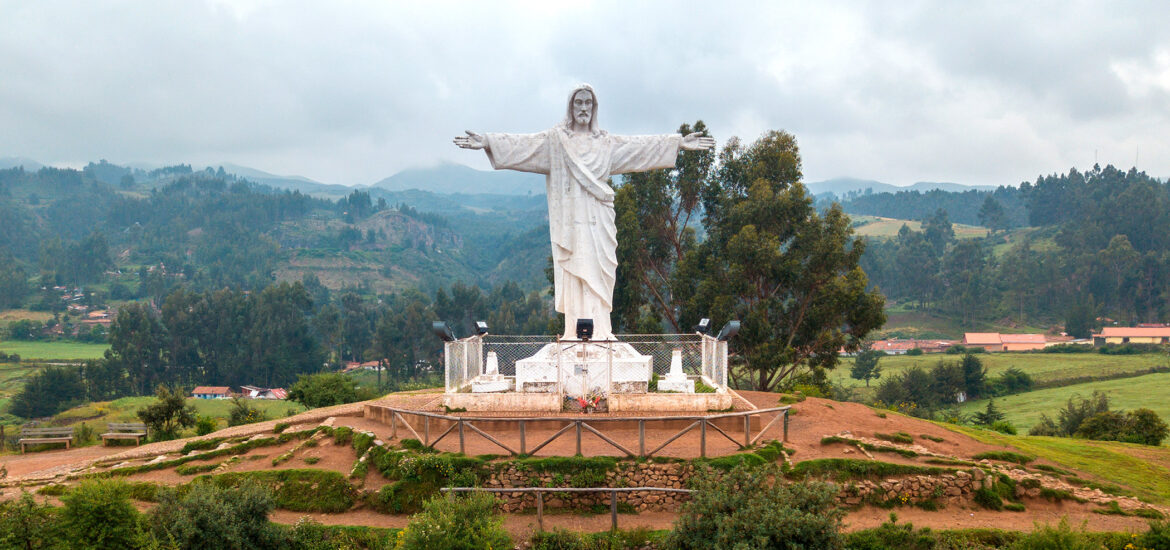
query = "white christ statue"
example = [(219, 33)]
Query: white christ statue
[(577, 159)]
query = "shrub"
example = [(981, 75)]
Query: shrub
[(1103, 425), (560, 539), (168, 414), (463, 522), (205, 425), (280, 427), (243, 412), (26, 524), (323, 390), (1145, 427), (1012, 380), (98, 514), (307, 534), (83, 435), (914, 352), (1005, 456), (209, 516), (1004, 427), (1059, 537), (1158, 537), (753, 508), (900, 437), (299, 490)]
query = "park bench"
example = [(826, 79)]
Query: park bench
[(125, 430), (34, 436)]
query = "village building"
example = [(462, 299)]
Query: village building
[(995, 341), (899, 346), (1132, 335), (211, 392), (255, 392)]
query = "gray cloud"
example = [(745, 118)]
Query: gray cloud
[(979, 93)]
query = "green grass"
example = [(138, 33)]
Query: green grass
[(12, 376), (126, 409), (1151, 391), (1042, 367), (54, 351), (1137, 467)]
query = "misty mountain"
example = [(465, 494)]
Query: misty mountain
[(29, 165), (841, 186), (451, 177), (292, 183)]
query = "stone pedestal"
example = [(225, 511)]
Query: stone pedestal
[(581, 367), (676, 380)]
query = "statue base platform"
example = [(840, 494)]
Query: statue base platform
[(491, 383), (581, 367), (680, 385)]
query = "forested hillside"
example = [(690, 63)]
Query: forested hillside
[(1096, 247)]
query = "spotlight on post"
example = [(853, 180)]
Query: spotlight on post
[(481, 328), (584, 329), (443, 331), (704, 326), (729, 330)]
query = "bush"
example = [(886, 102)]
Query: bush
[(98, 514), (1158, 537), (914, 352), (208, 516), (1012, 380), (1059, 537), (1145, 427), (560, 539), (1006, 456), (463, 522), (753, 508), (1103, 425), (310, 535), (83, 435), (26, 524), (204, 425), (323, 390), (167, 415), (243, 412), (1004, 427), (299, 490)]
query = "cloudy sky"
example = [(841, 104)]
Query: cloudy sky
[(350, 92)]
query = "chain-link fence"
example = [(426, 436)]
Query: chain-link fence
[(635, 363)]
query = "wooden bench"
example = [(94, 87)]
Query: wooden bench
[(34, 436), (125, 430)]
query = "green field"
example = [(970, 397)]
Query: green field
[(10, 315), (1043, 367), (1144, 470), (12, 377), (53, 351), (903, 321), (1151, 391), (875, 226), (126, 409)]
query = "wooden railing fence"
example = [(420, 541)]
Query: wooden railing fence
[(540, 491), (459, 425)]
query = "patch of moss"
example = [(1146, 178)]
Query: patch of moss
[(1005, 456), (845, 469), (298, 490), (898, 437)]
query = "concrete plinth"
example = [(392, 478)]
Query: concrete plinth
[(495, 402), (669, 402)]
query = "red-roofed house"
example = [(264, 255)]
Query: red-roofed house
[(254, 392), (994, 341), (989, 341), (211, 392), (1132, 335)]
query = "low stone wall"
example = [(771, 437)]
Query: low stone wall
[(672, 475), (956, 488)]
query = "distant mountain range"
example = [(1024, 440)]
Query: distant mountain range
[(841, 186), (29, 165), (449, 177)]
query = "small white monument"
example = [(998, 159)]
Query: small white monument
[(491, 381), (676, 380), (581, 367)]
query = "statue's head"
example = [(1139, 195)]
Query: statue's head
[(582, 109)]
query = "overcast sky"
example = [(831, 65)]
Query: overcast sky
[(351, 92)]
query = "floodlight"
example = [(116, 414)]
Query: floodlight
[(729, 330), (443, 331), (584, 329), (481, 328), (703, 327)]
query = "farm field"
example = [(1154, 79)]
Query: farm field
[(876, 226), (907, 322), (9, 315), (1043, 367), (53, 351), (12, 377), (1151, 391)]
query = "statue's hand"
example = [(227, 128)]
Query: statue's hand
[(697, 142), (471, 141)]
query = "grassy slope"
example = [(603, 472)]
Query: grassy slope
[(1151, 391), (126, 408), (1043, 367), (1139, 468), (12, 377), (53, 351)]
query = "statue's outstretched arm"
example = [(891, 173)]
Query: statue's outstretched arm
[(471, 141)]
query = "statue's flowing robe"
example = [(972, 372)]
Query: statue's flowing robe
[(580, 207)]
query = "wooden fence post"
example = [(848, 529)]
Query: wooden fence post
[(703, 437), (540, 510), (578, 423), (523, 446), (786, 425), (641, 438), (461, 435), (747, 430), (613, 509)]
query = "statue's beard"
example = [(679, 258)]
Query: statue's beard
[(583, 119)]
